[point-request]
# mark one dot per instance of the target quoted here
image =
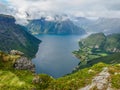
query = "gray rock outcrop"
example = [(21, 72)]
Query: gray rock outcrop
[(100, 82), (24, 64), (16, 52)]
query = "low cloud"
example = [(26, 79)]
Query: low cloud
[(32, 9)]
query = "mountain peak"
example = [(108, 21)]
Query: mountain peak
[(7, 18)]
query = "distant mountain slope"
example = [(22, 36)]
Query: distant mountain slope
[(106, 25), (93, 41), (96, 46), (109, 43), (43, 26), (13, 36)]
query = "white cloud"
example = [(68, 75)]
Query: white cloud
[(86, 8), (49, 18)]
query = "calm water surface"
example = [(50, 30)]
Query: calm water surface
[(55, 56)]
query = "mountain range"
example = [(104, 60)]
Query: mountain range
[(106, 25), (73, 25), (43, 26)]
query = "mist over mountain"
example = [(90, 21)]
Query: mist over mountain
[(39, 8), (55, 25), (106, 25)]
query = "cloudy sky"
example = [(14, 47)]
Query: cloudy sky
[(38, 8)]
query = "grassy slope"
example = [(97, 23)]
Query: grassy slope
[(110, 59), (11, 79), (96, 46), (83, 77), (22, 80)]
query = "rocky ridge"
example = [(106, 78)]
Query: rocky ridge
[(100, 82)]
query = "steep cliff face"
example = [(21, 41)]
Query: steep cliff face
[(42, 26), (13, 36)]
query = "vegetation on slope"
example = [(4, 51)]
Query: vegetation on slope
[(90, 52), (110, 59), (12, 79), (14, 36), (97, 46)]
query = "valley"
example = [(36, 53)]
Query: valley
[(47, 55), (54, 56)]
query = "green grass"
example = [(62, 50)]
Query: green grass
[(22, 79), (114, 70), (76, 80), (110, 59), (84, 77), (11, 79)]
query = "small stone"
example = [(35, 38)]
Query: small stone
[(36, 79)]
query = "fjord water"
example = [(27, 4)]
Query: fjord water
[(54, 56)]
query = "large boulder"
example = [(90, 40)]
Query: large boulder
[(24, 64)]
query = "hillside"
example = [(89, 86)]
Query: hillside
[(88, 77), (109, 59), (98, 48), (42, 26), (14, 36)]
